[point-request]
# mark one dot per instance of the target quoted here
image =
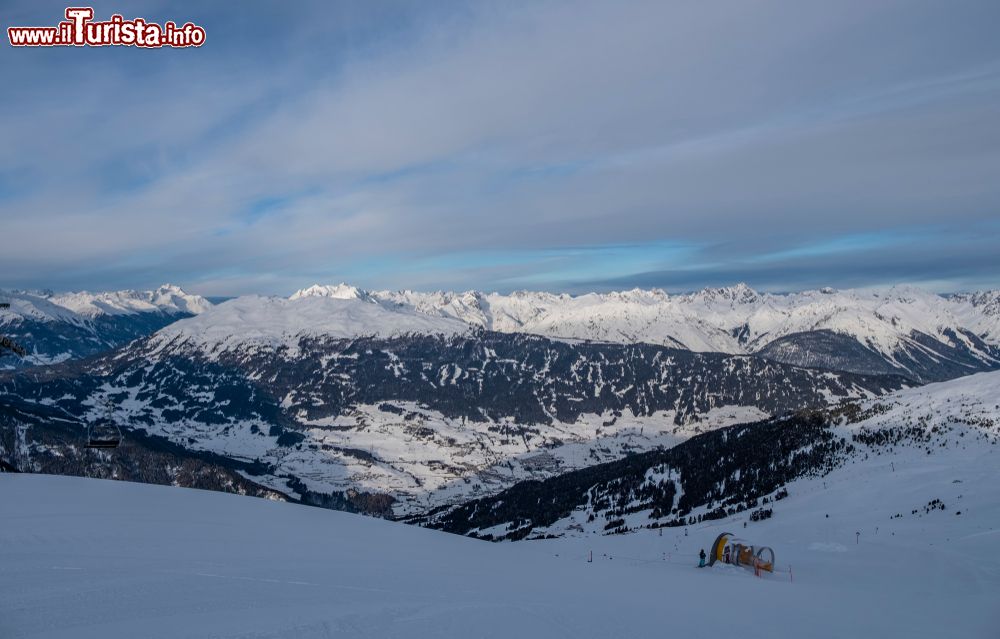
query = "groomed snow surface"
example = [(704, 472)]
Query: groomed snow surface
[(86, 558)]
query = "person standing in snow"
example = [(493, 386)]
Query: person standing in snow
[(701, 558)]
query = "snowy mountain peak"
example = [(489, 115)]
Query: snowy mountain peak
[(986, 301), (652, 295), (171, 297), (740, 294), (340, 291), (168, 298)]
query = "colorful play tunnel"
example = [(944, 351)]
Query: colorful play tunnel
[(728, 549)]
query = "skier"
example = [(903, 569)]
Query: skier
[(701, 558)]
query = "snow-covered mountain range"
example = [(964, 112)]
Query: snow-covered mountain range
[(55, 327), (432, 399), (168, 298), (428, 419), (69, 307), (904, 330)]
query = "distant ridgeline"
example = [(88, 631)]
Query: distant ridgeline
[(902, 330)]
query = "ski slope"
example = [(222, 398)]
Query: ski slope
[(87, 558)]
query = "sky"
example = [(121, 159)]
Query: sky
[(544, 145)]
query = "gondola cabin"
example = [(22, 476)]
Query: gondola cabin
[(104, 434)]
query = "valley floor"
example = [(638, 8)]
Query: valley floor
[(88, 558)]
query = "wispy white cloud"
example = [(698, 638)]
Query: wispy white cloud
[(399, 145)]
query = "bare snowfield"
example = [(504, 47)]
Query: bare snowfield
[(87, 558)]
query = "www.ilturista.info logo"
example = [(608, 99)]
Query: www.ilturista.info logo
[(80, 30)]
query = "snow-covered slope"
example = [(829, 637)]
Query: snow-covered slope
[(95, 559), (274, 321), (744, 471), (904, 329), (972, 401)]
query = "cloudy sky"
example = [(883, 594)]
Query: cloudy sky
[(507, 145)]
